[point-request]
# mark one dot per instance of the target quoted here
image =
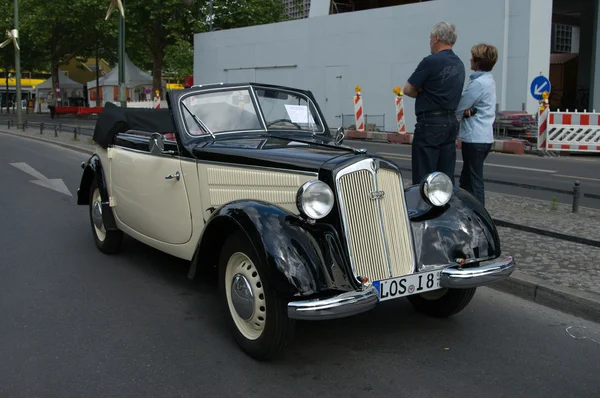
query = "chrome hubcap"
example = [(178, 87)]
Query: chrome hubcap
[(97, 214), (242, 297)]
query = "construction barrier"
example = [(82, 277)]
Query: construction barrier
[(569, 131), (400, 124), (543, 122), (358, 110)]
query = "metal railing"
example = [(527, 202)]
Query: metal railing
[(372, 122)]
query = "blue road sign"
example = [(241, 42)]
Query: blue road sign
[(538, 86)]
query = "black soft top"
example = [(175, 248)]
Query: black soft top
[(114, 120)]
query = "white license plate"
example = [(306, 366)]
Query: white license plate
[(393, 288)]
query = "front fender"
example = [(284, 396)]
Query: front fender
[(301, 259), (92, 169), (461, 229)]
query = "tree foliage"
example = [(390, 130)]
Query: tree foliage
[(159, 33)]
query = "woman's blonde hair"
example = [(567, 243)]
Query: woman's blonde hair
[(485, 55)]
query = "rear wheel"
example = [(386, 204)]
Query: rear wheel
[(257, 313), (107, 241), (442, 303)]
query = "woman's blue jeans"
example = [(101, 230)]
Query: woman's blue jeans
[(471, 177)]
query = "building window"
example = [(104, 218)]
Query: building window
[(297, 9), (561, 38)]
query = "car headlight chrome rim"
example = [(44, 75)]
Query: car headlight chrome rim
[(436, 189), (315, 199)]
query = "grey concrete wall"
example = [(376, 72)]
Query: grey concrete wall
[(378, 49)]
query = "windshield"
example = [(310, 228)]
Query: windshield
[(282, 109), (235, 110)]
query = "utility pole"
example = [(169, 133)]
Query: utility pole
[(18, 69), (122, 89)]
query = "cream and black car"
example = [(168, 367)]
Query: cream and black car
[(247, 181)]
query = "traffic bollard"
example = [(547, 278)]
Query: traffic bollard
[(41, 128), (576, 196), (75, 133)]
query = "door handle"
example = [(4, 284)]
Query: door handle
[(171, 176)]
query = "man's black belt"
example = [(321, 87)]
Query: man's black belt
[(436, 113)]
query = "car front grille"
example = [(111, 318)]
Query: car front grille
[(377, 227)]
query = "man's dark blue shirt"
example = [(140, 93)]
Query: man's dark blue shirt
[(441, 76)]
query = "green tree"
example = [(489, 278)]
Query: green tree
[(163, 26), (56, 31), (179, 59)]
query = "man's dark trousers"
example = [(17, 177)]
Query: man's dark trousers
[(471, 177), (434, 145)]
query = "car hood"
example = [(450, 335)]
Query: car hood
[(286, 152)]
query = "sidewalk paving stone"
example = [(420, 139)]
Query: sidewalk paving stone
[(556, 272)]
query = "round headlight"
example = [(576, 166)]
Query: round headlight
[(436, 188), (315, 199)]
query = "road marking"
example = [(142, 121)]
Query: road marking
[(407, 157), (56, 184), (577, 178)]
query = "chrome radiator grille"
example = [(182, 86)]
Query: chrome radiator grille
[(377, 227)]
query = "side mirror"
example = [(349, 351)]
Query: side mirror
[(156, 144), (339, 136)]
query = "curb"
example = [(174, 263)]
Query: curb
[(48, 141), (582, 304), (516, 147)]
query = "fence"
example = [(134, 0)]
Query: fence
[(372, 122), (569, 131)]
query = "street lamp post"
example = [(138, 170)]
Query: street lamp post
[(121, 47), (122, 89), (18, 69)]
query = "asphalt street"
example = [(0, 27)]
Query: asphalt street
[(509, 173), (77, 322)]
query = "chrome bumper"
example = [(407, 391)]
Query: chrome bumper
[(479, 276), (352, 303), (340, 306)]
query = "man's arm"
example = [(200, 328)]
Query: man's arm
[(411, 90), (414, 84)]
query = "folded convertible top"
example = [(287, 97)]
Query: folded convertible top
[(114, 120)]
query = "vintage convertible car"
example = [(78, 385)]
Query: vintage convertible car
[(248, 181)]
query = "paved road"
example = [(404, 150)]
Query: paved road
[(558, 173), (79, 323)]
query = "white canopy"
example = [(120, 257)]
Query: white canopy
[(133, 77), (63, 81)]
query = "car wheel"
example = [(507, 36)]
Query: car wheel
[(257, 313), (442, 303), (107, 241)]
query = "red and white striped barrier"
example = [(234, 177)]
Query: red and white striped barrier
[(358, 111), (572, 131), (543, 123), (400, 116)]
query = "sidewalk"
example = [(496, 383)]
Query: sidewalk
[(551, 269)]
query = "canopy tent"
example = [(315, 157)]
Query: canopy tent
[(137, 83), (68, 89)]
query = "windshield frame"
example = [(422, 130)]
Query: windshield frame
[(251, 88)]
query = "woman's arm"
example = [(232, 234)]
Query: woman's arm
[(470, 96)]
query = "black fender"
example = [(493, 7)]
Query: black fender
[(461, 229), (92, 169), (302, 259)]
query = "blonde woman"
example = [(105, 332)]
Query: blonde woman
[(477, 112)]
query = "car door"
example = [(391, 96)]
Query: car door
[(149, 189)]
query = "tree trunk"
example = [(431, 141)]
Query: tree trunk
[(7, 92)]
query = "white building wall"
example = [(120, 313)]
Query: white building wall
[(378, 49)]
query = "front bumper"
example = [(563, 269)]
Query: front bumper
[(355, 302)]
